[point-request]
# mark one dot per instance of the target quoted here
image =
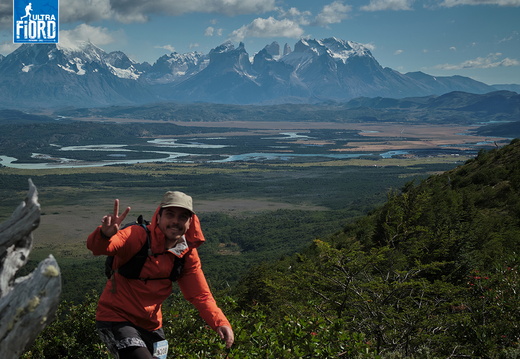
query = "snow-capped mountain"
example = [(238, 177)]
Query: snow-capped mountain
[(175, 67), (54, 76), (84, 75), (316, 70), (229, 78)]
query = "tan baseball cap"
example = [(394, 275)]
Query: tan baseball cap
[(177, 199)]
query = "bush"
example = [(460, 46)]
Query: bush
[(258, 334), (71, 335)]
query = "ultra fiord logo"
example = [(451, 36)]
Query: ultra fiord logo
[(35, 21)]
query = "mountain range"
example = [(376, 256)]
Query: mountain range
[(53, 76)]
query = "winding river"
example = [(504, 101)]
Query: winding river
[(163, 145)]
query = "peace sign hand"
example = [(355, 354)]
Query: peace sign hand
[(111, 222)]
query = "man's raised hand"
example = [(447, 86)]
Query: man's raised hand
[(111, 222)]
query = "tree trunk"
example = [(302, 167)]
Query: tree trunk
[(27, 304)]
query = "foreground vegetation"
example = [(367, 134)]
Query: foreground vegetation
[(431, 273)]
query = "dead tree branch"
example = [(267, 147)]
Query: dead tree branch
[(27, 304)]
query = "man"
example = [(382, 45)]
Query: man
[(28, 10), (129, 317)]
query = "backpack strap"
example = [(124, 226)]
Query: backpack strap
[(132, 268), (176, 273), (178, 266)]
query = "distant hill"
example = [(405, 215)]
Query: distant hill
[(508, 87), (450, 108), (506, 129), (315, 71), (19, 117)]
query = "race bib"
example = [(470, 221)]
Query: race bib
[(160, 349)]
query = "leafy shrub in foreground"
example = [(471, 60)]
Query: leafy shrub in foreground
[(258, 335), (71, 335)]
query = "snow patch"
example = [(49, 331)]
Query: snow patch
[(129, 73), (27, 68)]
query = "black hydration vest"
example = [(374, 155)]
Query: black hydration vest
[(132, 268)]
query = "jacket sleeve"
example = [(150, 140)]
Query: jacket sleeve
[(195, 289), (117, 244)]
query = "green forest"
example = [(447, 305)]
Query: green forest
[(430, 273)]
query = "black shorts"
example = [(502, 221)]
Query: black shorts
[(121, 335)]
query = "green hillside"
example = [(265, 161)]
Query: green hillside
[(432, 273)]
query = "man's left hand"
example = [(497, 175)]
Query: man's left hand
[(226, 334)]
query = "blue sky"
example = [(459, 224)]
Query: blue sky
[(474, 38)]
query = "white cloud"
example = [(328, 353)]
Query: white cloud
[(269, 27), (168, 48), (300, 17), (380, 5), (452, 3), (513, 36), (333, 13), (97, 35), (128, 11), (85, 11), (6, 14), (370, 46), (398, 52), (136, 10), (211, 31), (490, 61)]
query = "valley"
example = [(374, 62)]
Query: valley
[(380, 137), (268, 193), (323, 174), (266, 180), (237, 141)]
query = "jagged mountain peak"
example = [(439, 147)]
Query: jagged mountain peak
[(339, 50), (41, 54), (227, 46), (174, 67), (273, 49), (286, 49), (316, 70), (82, 49), (79, 58), (76, 46), (344, 49), (226, 57), (176, 60), (37, 52), (309, 46), (119, 59), (188, 56)]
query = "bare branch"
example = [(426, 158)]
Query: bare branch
[(27, 304)]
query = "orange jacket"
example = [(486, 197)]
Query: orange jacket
[(139, 302)]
